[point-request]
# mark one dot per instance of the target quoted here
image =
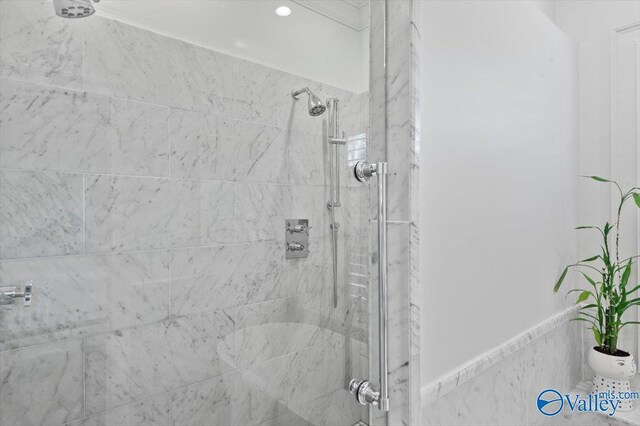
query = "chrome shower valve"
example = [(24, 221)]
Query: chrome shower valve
[(9, 294)]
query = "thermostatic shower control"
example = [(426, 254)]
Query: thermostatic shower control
[(8, 295), (296, 238)]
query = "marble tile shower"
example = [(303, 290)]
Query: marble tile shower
[(144, 184)]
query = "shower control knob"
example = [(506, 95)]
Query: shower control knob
[(296, 238), (295, 247), (297, 228), (8, 295)]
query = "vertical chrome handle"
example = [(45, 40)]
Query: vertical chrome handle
[(383, 293), (365, 394)]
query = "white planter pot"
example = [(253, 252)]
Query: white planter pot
[(613, 374)]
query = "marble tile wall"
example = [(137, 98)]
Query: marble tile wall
[(394, 138), (505, 393), (144, 184)]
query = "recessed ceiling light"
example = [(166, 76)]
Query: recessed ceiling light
[(283, 11)]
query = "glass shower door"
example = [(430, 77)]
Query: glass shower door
[(150, 156)]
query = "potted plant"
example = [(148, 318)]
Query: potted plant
[(608, 295)]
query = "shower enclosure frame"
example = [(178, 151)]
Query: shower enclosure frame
[(394, 138)]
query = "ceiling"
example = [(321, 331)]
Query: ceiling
[(352, 13), (324, 40)]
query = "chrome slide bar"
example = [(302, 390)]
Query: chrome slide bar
[(334, 177), (365, 394)]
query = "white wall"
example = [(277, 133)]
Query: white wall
[(548, 7), (306, 43), (498, 176), (593, 20), (608, 140)]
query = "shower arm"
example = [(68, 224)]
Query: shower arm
[(297, 93)]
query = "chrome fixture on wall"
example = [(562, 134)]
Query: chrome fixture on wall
[(315, 105), (362, 389), (334, 178), (316, 108), (296, 238), (74, 8), (9, 294)]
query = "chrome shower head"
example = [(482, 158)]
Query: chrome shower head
[(315, 104), (73, 8)]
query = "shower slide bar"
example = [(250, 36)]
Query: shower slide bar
[(334, 177), (362, 389), (316, 108)]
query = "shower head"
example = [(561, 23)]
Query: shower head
[(316, 106), (73, 8)]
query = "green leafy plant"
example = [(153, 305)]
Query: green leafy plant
[(608, 295)]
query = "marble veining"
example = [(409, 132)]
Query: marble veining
[(450, 381), (127, 213), (146, 201), (511, 385), (83, 295), (501, 388), (40, 214), (42, 385), (64, 130), (262, 393), (131, 364), (122, 60), (319, 376), (308, 157), (211, 147), (270, 329), (253, 396), (261, 211), (203, 279), (38, 46), (393, 103), (313, 275)]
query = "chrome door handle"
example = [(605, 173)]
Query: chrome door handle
[(9, 294), (383, 291), (365, 394)]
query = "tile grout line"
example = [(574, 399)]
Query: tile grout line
[(236, 371), (151, 250), (266, 123), (235, 70), (84, 378), (170, 272), (173, 178), (82, 33), (169, 138), (84, 216), (39, 344), (235, 213)]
